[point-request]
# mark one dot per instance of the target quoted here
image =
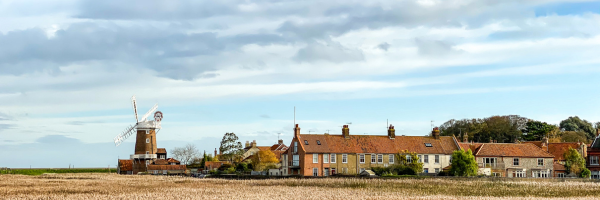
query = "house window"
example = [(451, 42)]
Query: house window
[(489, 162), (373, 158), (162, 156), (540, 174), (362, 158), (295, 147), (296, 160), (344, 158), (428, 145), (408, 159), (147, 140), (426, 170), (593, 160), (540, 162), (380, 158), (516, 161), (560, 175), (332, 158), (315, 171), (437, 170), (391, 159), (147, 132), (318, 142), (519, 174), (420, 158), (315, 158), (496, 174), (325, 158), (437, 159), (306, 142), (595, 174), (426, 160)]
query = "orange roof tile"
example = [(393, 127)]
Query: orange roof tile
[(172, 160), (161, 150), (377, 144), (161, 162), (536, 143), (167, 167), (559, 149), (512, 150), (559, 167)]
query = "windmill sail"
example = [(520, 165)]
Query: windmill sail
[(149, 112), (123, 136), (134, 108)]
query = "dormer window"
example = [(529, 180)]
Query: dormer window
[(306, 142), (318, 142), (428, 145)]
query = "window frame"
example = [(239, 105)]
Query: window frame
[(295, 146), (373, 158), (426, 159), (318, 142), (305, 142), (379, 158), (538, 162), (391, 158), (437, 159), (408, 159), (516, 160), (147, 140), (428, 145), (361, 158), (332, 158), (315, 171), (594, 160), (315, 158), (420, 158), (344, 158), (325, 158)]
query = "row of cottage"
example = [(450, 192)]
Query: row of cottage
[(325, 154)]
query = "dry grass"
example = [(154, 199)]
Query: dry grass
[(111, 186)]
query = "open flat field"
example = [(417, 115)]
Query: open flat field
[(112, 186)]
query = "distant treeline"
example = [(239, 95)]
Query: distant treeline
[(56, 171), (507, 129)]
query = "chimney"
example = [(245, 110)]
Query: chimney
[(466, 138), (215, 151), (391, 132), (346, 132), (280, 141), (253, 143), (436, 133), (247, 144), (297, 131)]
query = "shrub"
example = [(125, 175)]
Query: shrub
[(585, 173), (225, 167), (242, 167)]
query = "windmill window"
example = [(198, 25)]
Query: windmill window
[(318, 142), (306, 142), (147, 132), (147, 140), (428, 145)]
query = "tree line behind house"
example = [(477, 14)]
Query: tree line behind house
[(508, 128)]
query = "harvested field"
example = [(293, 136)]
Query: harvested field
[(112, 186)]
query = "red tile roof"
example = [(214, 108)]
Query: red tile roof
[(559, 149), (279, 147), (377, 144), (172, 160), (161, 150), (512, 150), (209, 165), (161, 162), (126, 165), (473, 146), (167, 167), (264, 148), (559, 167)]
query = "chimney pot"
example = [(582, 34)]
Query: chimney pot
[(346, 132), (391, 132), (280, 141)]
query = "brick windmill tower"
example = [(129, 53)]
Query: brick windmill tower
[(145, 142)]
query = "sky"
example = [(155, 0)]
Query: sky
[(68, 69)]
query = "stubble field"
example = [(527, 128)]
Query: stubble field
[(112, 186)]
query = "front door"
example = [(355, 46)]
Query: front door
[(326, 172), (315, 172)]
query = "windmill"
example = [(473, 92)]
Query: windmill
[(143, 123)]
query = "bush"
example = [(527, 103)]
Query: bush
[(225, 167), (585, 173), (241, 167), (394, 170)]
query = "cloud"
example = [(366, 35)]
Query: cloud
[(329, 51), (383, 46), (58, 140), (434, 47)]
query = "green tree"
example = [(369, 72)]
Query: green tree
[(577, 124), (231, 148), (409, 160), (574, 163), (536, 130), (463, 163), (574, 136)]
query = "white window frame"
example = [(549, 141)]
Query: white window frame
[(516, 160), (560, 175), (147, 132), (147, 140), (437, 159), (408, 159), (538, 162), (344, 158), (520, 174), (593, 160), (391, 158), (379, 158), (595, 175), (361, 158), (373, 159), (325, 158), (315, 158), (426, 160), (333, 158), (420, 158), (315, 171)]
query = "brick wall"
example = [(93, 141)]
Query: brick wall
[(141, 147)]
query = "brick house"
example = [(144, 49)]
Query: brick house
[(251, 149), (593, 154), (125, 166), (324, 155), (558, 150), (512, 159)]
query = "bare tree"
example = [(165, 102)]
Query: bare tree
[(185, 154)]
